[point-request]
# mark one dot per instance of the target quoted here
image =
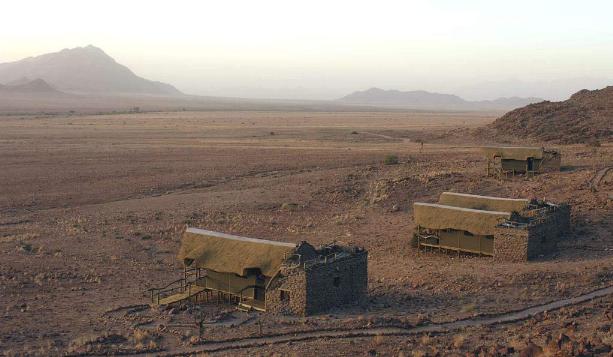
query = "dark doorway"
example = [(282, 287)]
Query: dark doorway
[(530, 164)]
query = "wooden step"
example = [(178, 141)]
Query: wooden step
[(247, 307)]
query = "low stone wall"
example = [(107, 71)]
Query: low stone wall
[(541, 236)]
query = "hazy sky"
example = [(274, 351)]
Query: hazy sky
[(324, 49)]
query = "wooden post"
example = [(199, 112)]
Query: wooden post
[(458, 245)]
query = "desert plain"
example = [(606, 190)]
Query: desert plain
[(92, 208)]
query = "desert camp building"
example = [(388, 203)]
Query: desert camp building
[(507, 229), (509, 161), (267, 275)]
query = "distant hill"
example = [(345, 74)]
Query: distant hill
[(20, 81), (428, 100), (82, 70), (28, 86), (586, 116)]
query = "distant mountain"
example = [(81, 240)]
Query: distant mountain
[(428, 100), (20, 81), (587, 115), (82, 70), (377, 96), (28, 86)]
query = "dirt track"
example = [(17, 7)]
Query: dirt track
[(216, 346)]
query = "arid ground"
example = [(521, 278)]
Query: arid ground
[(92, 208)]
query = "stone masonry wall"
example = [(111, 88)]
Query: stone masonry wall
[(511, 245), (540, 237), (292, 281), (322, 286), (546, 231), (344, 281)]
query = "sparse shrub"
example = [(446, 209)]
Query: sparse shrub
[(391, 160), (289, 206), (25, 247), (354, 133)]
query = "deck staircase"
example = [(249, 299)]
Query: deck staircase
[(178, 290), (190, 291), (193, 286)]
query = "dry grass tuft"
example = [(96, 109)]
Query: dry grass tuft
[(468, 308), (140, 336), (378, 340), (458, 341), (425, 340)]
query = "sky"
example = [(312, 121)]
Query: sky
[(316, 49)]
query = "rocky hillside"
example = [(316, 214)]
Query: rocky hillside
[(82, 70), (586, 116)]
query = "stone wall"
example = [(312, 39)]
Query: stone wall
[(287, 293), (511, 245), (540, 237), (319, 287), (342, 282), (547, 230)]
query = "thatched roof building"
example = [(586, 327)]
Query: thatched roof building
[(226, 253), (267, 275), (505, 160), (510, 229)]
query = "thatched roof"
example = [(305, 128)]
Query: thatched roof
[(227, 253), (486, 203), (436, 216), (513, 153)]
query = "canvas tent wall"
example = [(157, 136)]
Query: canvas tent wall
[(504, 160), (477, 222), (487, 203), (465, 242)]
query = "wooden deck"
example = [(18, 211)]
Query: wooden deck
[(193, 290)]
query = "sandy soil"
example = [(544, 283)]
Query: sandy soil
[(91, 210)]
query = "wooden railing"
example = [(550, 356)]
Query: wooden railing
[(190, 276)]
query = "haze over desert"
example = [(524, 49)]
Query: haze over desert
[(306, 179)]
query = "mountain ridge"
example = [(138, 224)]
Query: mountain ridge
[(425, 99), (83, 70)]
